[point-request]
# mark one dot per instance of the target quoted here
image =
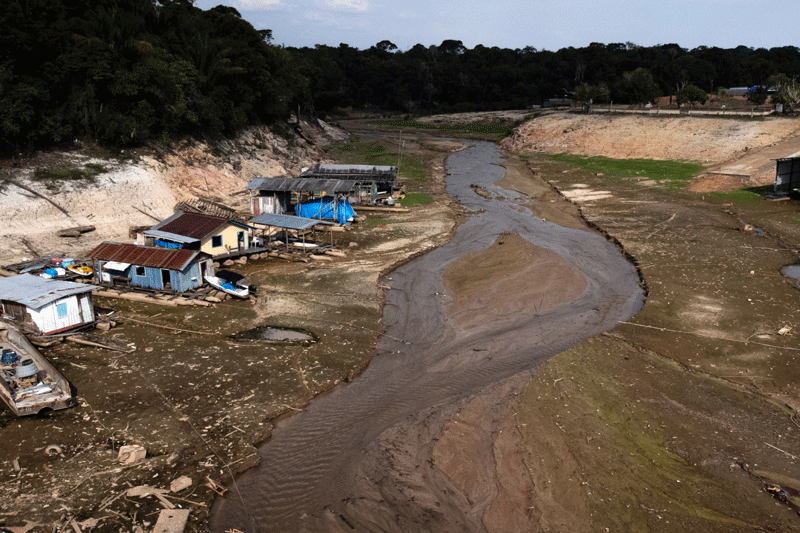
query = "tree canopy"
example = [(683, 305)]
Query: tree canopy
[(128, 71), (125, 72)]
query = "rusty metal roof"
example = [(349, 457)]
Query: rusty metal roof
[(36, 292), (170, 259), (193, 225), (299, 184)]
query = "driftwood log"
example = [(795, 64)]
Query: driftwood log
[(77, 231)]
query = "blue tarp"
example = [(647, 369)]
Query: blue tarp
[(326, 208), (165, 244)]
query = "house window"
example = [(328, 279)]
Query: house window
[(61, 309), (216, 241), (140, 271)]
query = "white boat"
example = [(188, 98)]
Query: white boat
[(29, 384), (235, 288)]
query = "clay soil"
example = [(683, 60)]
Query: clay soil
[(681, 419)]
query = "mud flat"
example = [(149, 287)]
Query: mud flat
[(508, 292)]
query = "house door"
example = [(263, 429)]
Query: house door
[(240, 240), (165, 280)]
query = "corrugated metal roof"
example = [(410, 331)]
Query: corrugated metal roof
[(36, 292), (144, 255), (324, 168), (194, 225), (299, 184), (285, 221), (158, 234)]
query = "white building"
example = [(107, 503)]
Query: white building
[(47, 305)]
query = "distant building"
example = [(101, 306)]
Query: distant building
[(368, 183), (148, 267), (195, 231), (787, 175), (46, 305)]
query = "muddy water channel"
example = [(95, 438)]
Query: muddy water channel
[(430, 359)]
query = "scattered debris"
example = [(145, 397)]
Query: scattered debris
[(216, 487), (784, 330), (131, 453), (171, 521), (183, 482), (777, 492), (54, 449)]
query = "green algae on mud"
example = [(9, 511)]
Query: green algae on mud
[(658, 424)]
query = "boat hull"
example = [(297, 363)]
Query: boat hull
[(29, 384)]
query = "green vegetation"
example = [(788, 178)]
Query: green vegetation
[(87, 173), (359, 151), (485, 128), (128, 73), (743, 196), (672, 174), (125, 73), (416, 198)]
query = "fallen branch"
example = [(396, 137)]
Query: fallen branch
[(40, 195)]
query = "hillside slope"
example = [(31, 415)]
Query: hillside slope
[(142, 189)]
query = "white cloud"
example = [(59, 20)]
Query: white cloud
[(350, 5), (255, 5)]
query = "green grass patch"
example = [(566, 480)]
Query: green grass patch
[(744, 196), (375, 152), (416, 198), (87, 173), (484, 128), (671, 174)]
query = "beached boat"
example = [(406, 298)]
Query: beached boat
[(81, 270), (236, 288), (29, 384)]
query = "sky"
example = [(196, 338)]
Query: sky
[(542, 24)]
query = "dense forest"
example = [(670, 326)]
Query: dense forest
[(127, 72)]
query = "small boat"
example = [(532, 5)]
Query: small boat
[(236, 288), (56, 272), (81, 270), (29, 384)]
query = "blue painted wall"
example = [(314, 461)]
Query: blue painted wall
[(180, 281)]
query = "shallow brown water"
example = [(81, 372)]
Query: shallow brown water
[(426, 361)]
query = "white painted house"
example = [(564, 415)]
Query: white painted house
[(47, 305)]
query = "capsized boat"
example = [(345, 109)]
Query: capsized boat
[(226, 282), (29, 384)]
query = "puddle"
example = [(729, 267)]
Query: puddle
[(276, 334), (793, 272)]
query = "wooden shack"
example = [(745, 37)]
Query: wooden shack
[(47, 306), (149, 267)]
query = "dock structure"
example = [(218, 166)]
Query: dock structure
[(293, 230)]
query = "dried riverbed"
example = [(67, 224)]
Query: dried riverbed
[(507, 292)]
